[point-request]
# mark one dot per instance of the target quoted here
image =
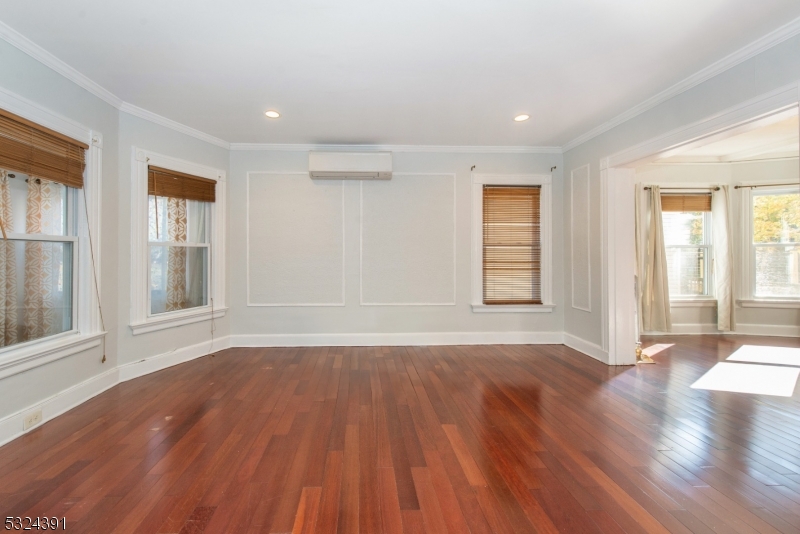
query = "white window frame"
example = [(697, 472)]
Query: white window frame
[(748, 256), (142, 321), (708, 244), (545, 181), (86, 330)]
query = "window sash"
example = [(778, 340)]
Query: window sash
[(708, 272), (749, 199), (208, 278), (75, 245)]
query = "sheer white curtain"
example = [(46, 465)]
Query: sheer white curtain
[(655, 313), (723, 258)]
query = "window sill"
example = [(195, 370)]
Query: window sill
[(174, 319), (775, 304), (513, 308), (693, 303), (15, 360)]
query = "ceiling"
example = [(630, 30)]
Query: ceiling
[(436, 72), (778, 139)]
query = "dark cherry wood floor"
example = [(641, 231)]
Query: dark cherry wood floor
[(506, 439)]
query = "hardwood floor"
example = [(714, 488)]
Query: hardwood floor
[(506, 439)]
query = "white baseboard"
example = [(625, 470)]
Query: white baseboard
[(152, 364), (741, 329), (768, 330), (398, 339), (586, 347), (11, 427)]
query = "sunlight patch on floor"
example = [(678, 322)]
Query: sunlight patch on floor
[(655, 349), (762, 354), (749, 378)]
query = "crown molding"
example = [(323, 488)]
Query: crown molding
[(142, 113), (14, 38), (773, 38), (397, 148)]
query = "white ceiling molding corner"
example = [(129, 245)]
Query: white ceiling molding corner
[(14, 38), (771, 39), (136, 111), (398, 148)]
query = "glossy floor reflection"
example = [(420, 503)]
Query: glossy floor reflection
[(510, 439)]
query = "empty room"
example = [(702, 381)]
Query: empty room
[(400, 267)]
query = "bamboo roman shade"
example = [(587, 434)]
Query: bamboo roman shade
[(37, 151), (686, 203), (512, 251), (167, 183)]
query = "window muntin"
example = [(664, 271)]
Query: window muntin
[(38, 259), (775, 244), (687, 240), (178, 231), (512, 248)]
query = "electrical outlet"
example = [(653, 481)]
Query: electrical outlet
[(32, 419)]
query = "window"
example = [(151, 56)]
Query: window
[(687, 240), (41, 172), (512, 253), (178, 242), (37, 258), (775, 243), (511, 243), (179, 215)]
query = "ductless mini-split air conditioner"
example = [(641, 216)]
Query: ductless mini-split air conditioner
[(350, 165)]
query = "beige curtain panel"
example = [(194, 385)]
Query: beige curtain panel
[(723, 259), (656, 316), (9, 327)]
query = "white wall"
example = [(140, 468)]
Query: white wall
[(769, 70), (61, 383), (139, 133), (407, 220), (27, 77)]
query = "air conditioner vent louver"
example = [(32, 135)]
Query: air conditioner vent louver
[(350, 165)]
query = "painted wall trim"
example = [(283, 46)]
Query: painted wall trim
[(142, 113), (63, 401), (741, 329), (586, 347), (14, 38), (761, 44), (397, 339), (397, 148)]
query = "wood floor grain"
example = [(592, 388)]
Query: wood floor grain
[(507, 439)]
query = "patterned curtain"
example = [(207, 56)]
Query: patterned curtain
[(42, 217), (176, 267), (8, 270)]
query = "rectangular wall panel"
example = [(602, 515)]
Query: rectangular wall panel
[(408, 240), (295, 240), (579, 239)]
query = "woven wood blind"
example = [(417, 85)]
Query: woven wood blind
[(694, 202), (37, 151), (167, 183), (512, 252)]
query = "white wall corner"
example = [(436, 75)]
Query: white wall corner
[(177, 356)]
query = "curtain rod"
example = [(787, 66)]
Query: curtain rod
[(648, 188), (761, 185)]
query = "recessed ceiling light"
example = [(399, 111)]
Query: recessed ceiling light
[(523, 117), (272, 114)]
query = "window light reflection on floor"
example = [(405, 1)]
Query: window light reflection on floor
[(750, 378), (761, 354), (652, 350)]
